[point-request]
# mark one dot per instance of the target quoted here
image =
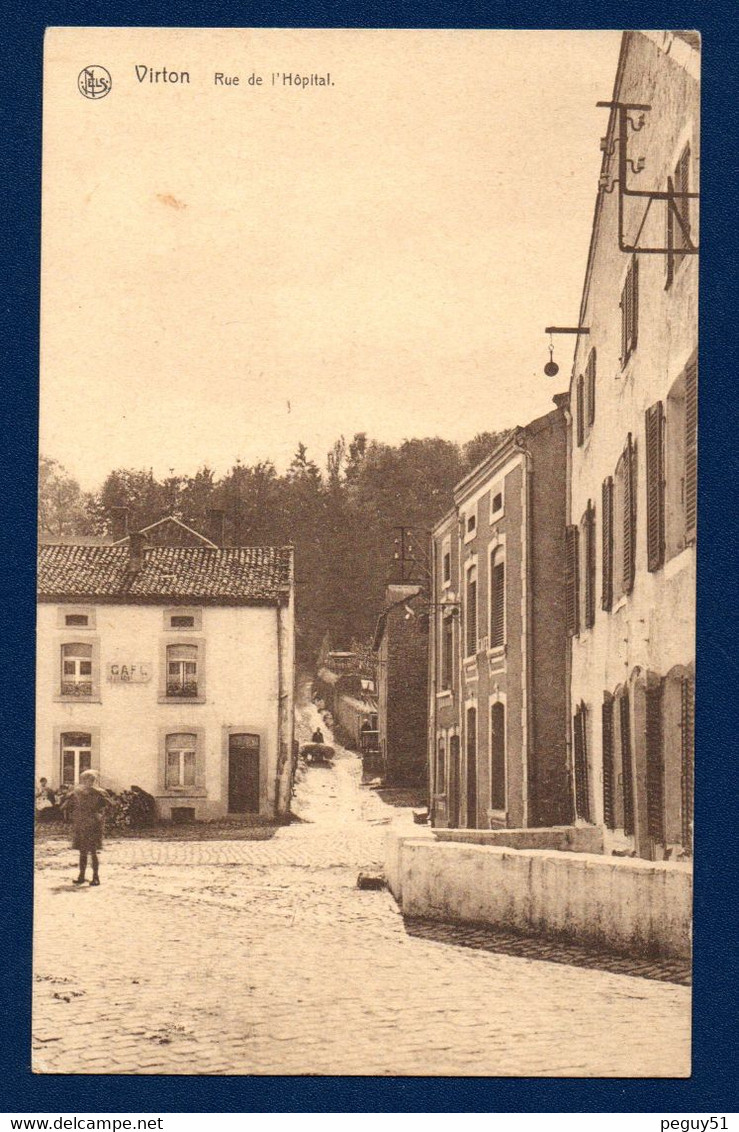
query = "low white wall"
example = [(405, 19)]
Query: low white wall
[(626, 905), (565, 838)]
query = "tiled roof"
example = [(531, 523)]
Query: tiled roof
[(219, 576)]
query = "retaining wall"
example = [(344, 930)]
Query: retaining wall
[(630, 906), (565, 838)]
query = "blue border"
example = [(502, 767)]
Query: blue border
[(712, 1087)]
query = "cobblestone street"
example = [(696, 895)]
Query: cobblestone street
[(237, 957)]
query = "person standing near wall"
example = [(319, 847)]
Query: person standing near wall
[(87, 807)]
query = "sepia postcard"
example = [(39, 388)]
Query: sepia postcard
[(367, 553)]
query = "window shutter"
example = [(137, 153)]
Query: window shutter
[(607, 525), (571, 580), (471, 614), (625, 307), (609, 815), (627, 776), (591, 388), (497, 620), (654, 421), (655, 766), (582, 793), (687, 734), (589, 566), (634, 328), (629, 517), (580, 411), (691, 451)]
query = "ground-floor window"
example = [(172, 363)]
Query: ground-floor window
[(582, 776), (497, 757), (181, 749), (76, 756)]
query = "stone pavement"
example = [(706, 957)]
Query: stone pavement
[(239, 957)]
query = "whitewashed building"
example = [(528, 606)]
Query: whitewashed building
[(169, 667), (631, 558)]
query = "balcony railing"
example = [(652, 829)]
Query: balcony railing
[(80, 688), (182, 690)]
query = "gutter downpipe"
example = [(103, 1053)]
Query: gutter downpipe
[(521, 443)]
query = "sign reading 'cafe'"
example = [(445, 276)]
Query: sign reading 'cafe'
[(129, 673)]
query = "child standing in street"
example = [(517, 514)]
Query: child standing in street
[(87, 805)]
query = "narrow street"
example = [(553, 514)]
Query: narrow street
[(262, 956)]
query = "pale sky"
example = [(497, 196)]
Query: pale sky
[(230, 270)]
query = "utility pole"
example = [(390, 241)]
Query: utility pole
[(411, 555)]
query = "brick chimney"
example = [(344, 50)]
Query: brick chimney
[(216, 526), (136, 542), (119, 523)]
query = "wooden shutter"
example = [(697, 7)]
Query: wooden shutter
[(589, 566), (627, 776), (572, 586), (580, 423), (655, 766), (607, 527), (591, 388), (497, 611), (582, 791), (654, 422), (634, 327), (471, 614), (629, 516), (609, 813), (630, 311), (687, 734), (691, 451)]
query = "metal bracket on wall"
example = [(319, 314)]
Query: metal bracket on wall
[(676, 208)]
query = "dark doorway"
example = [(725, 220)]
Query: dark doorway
[(243, 774), (472, 768), (497, 757), (454, 782)]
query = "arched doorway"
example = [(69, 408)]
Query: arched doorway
[(472, 768)]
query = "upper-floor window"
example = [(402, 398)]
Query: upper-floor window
[(681, 461), (182, 671), (580, 410), (607, 509), (630, 311), (619, 530), (590, 389), (497, 499), (470, 526), (572, 579), (497, 598), (655, 472), (446, 563), (77, 675), (471, 612), (678, 216), (75, 617), (587, 567), (447, 651), (183, 618)]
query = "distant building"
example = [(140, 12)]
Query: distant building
[(167, 662), (498, 648), (631, 559), (401, 644)]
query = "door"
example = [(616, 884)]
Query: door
[(454, 782), (471, 768), (243, 773)]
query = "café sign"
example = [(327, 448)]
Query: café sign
[(137, 673)]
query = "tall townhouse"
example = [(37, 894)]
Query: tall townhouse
[(630, 556), (498, 654), (167, 662)]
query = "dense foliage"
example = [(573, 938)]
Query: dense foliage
[(341, 519)]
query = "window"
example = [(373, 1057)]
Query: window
[(471, 622), (181, 751), (470, 526), (182, 671), (447, 651), (471, 768), (624, 540), (183, 618), (630, 311), (678, 218), (447, 567), (590, 388), (580, 422), (77, 670), (497, 757), (655, 765), (497, 599), (588, 565), (76, 756), (441, 767), (607, 547), (627, 772), (655, 444), (497, 500), (572, 580), (680, 461), (76, 617), (580, 742)]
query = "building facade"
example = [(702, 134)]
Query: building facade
[(498, 693), (630, 556), (401, 644), (169, 667)]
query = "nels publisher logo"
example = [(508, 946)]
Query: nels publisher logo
[(94, 82)]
